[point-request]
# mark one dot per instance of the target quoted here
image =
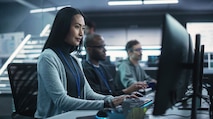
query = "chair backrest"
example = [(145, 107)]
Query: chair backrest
[(24, 87)]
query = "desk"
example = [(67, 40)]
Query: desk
[(74, 114), (178, 114), (173, 113), (170, 114)]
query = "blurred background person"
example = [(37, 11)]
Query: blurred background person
[(90, 27), (99, 75), (130, 71)]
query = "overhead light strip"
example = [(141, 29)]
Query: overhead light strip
[(140, 2), (50, 9), (124, 3), (43, 10), (160, 1)]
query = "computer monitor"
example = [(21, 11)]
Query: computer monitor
[(173, 75)]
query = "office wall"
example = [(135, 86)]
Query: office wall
[(11, 18), (119, 36), (16, 18)]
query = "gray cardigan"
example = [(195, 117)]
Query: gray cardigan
[(52, 89)]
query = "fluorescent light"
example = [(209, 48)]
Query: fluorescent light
[(136, 2), (60, 7), (160, 1), (48, 9), (140, 2), (43, 10), (3, 85), (45, 30)]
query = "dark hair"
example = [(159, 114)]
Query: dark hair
[(91, 24), (61, 27), (89, 39), (130, 44)]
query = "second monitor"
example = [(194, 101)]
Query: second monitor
[(173, 76)]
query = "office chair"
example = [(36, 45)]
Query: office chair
[(24, 87)]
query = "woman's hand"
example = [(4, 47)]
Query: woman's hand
[(118, 100)]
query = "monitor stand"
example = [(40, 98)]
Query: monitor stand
[(197, 67)]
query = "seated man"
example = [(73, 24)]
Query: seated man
[(97, 74), (130, 71)]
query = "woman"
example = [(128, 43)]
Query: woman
[(62, 85)]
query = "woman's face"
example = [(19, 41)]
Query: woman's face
[(76, 32)]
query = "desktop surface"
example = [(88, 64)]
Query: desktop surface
[(87, 117), (172, 113), (76, 114), (136, 107)]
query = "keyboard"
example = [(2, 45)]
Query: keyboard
[(136, 102)]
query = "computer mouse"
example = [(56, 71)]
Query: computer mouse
[(101, 114)]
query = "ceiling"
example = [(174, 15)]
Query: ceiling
[(117, 16), (95, 6)]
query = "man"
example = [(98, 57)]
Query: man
[(90, 27), (97, 74), (130, 71)]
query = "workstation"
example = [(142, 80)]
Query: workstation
[(117, 24)]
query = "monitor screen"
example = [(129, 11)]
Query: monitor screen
[(172, 76)]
